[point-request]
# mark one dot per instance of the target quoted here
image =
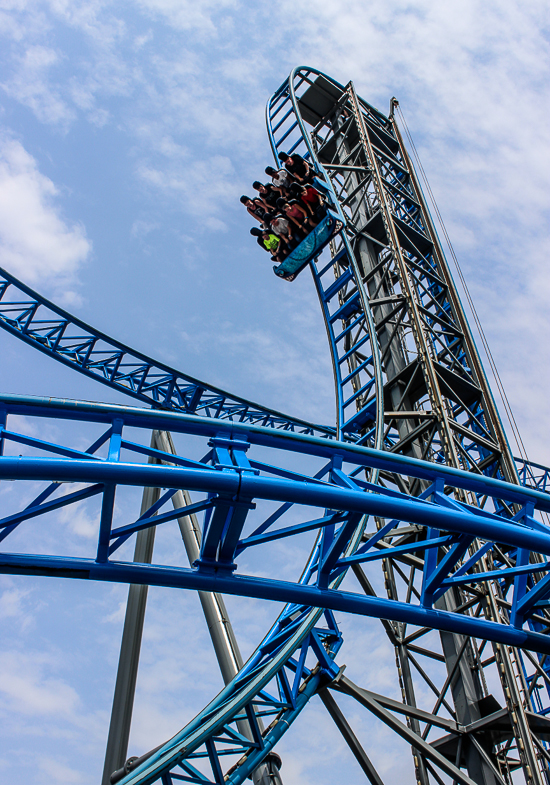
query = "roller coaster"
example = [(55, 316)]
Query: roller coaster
[(414, 508)]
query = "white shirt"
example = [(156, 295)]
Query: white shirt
[(281, 179), (279, 226)]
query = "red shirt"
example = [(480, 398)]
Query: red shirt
[(311, 196), (295, 212)]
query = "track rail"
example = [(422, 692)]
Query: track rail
[(296, 658), (40, 323), (229, 487), (344, 299)]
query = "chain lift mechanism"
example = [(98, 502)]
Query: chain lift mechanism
[(413, 499)]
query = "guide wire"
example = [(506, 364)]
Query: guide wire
[(507, 406), (500, 385)]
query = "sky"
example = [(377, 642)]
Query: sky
[(128, 132)]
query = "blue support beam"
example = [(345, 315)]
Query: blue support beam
[(386, 288), (232, 486), (229, 487), (273, 590), (40, 323)]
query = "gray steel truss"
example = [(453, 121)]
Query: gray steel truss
[(217, 619), (437, 406)]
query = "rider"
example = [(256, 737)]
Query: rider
[(255, 207), (298, 167), (296, 213), (282, 228), (280, 179), (268, 194), (271, 243), (311, 200)]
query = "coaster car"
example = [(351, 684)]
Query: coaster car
[(310, 247)]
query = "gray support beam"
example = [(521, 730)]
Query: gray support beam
[(352, 156), (350, 738), (125, 686), (219, 626), (467, 691), (215, 613), (365, 698)]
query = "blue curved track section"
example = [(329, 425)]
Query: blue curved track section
[(353, 345), (55, 332), (242, 468), (297, 655), (311, 247), (32, 318)]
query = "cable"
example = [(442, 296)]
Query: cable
[(507, 406)]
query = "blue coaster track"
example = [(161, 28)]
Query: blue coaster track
[(27, 315), (43, 325), (376, 499), (296, 658), (348, 337)]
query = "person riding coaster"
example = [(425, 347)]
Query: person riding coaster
[(255, 207), (281, 180), (295, 216), (310, 247), (298, 167)]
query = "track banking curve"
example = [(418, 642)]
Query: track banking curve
[(296, 658), (40, 323), (32, 318)]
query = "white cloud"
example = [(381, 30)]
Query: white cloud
[(140, 228), (79, 519), (11, 603), (36, 242), (59, 773), (203, 187), (201, 17), (30, 84), (26, 688)]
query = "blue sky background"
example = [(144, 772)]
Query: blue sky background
[(129, 130)]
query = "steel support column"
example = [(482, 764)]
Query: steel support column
[(217, 620), (350, 738), (436, 395), (130, 647)]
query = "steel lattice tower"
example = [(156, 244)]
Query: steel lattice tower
[(417, 478), (436, 402)]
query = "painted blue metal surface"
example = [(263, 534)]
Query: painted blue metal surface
[(297, 595), (533, 475), (230, 479), (40, 323), (310, 247), (344, 301), (450, 539), (19, 316)]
